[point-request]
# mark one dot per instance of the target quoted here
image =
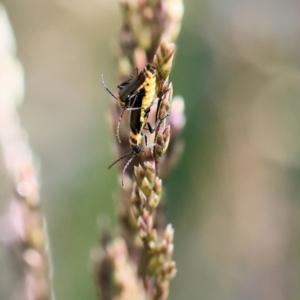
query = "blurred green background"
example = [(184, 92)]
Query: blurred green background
[(234, 195)]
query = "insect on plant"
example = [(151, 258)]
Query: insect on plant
[(136, 93), (138, 123)]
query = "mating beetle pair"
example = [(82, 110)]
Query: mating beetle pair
[(137, 95)]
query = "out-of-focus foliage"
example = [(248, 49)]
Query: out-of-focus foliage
[(233, 199)]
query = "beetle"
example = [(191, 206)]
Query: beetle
[(138, 123), (136, 93)]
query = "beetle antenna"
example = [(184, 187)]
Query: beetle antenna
[(127, 164), (119, 159), (118, 126), (102, 79)]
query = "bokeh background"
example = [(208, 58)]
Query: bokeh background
[(234, 195)]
